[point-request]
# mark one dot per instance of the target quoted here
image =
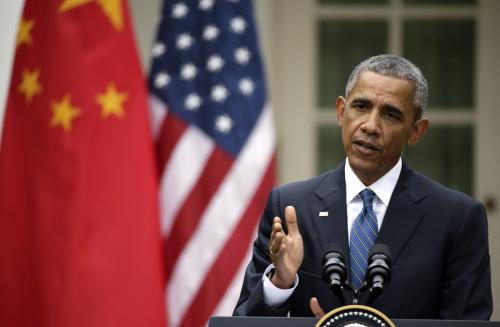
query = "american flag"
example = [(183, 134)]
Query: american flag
[(216, 145)]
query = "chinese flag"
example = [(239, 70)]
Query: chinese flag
[(79, 232)]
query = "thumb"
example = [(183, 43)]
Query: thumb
[(291, 221), (315, 308)]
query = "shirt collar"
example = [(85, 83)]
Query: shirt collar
[(383, 187)]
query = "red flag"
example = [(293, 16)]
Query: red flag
[(80, 242)]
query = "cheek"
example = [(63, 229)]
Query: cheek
[(347, 132), (350, 125), (396, 141), (345, 137)]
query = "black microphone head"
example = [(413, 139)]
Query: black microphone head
[(379, 265), (333, 249), (333, 264), (379, 250), (333, 269), (378, 274)]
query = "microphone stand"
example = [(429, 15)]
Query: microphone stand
[(356, 293)]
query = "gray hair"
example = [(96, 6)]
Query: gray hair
[(397, 67)]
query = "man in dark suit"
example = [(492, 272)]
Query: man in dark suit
[(438, 237)]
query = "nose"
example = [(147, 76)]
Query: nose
[(371, 125)]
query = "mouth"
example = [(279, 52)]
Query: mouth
[(366, 147)]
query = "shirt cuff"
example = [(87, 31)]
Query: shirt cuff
[(275, 296)]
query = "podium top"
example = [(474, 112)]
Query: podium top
[(310, 322)]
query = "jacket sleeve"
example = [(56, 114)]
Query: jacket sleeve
[(466, 292), (251, 301)]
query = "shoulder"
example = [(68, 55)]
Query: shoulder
[(439, 192), (308, 187), (459, 216), (446, 204), (304, 185)]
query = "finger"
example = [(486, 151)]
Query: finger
[(277, 227), (316, 308), (276, 245), (277, 236), (291, 221)]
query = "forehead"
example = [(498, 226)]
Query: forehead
[(373, 86)]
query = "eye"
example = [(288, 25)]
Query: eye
[(359, 106), (396, 116)]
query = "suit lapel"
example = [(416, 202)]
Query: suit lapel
[(403, 216), (331, 199)]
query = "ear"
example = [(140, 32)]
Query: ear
[(418, 131), (340, 107)]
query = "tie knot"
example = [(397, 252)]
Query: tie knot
[(367, 196)]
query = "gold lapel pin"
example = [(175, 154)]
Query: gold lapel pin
[(323, 213)]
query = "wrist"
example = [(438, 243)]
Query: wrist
[(278, 281)]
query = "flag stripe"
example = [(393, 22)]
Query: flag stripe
[(186, 221), (170, 133), (230, 298), (182, 173), (220, 275), (221, 217), (157, 113)]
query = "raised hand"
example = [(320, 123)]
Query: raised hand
[(286, 251)]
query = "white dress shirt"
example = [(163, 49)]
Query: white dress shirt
[(383, 189)]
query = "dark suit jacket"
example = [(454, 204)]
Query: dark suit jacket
[(438, 239)]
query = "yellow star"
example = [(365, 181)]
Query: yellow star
[(30, 86), (63, 113), (111, 102), (111, 8), (24, 32)]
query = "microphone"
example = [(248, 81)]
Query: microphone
[(378, 274), (334, 271)]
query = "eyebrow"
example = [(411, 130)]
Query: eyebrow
[(361, 100), (386, 107)]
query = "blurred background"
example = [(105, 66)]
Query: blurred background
[(310, 47)]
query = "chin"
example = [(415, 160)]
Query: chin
[(363, 165)]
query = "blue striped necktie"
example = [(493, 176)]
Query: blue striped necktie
[(363, 235)]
